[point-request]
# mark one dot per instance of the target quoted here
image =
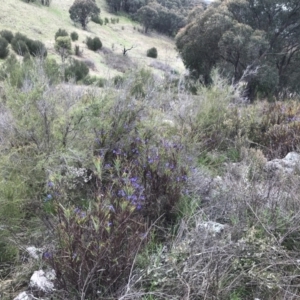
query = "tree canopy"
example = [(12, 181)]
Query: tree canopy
[(240, 35), (82, 10)]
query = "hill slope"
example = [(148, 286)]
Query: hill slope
[(41, 23)]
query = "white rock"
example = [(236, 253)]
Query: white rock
[(23, 296), (34, 252), (213, 227), (42, 281), (286, 165)]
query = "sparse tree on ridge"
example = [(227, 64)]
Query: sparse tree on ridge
[(82, 10)]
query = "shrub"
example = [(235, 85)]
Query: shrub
[(277, 128), (61, 32), (94, 44), (3, 48), (96, 19), (137, 185), (118, 80), (63, 46), (94, 80), (19, 46), (152, 52), (77, 51), (36, 48), (106, 21), (74, 36), (8, 35), (77, 69)]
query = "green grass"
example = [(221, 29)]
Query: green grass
[(41, 23)]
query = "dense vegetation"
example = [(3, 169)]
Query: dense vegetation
[(254, 40), (147, 187), (164, 16)]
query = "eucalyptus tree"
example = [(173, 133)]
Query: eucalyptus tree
[(82, 10), (246, 35)]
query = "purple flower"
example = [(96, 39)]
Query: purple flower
[(135, 151), (117, 152), (121, 193), (111, 208), (184, 178), (132, 198), (133, 179), (47, 255), (77, 210), (50, 184), (48, 198)]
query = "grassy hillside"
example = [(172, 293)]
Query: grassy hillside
[(39, 22)]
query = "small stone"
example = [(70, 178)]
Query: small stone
[(42, 281), (23, 296), (34, 252)]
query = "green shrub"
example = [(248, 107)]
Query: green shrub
[(277, 128), (36, 48), (152, 52), (106, 21), (118, 80), (63, 47), (94, 44), (19, 46), (8, 35), (77, 50), (74, 36), (96, 19), (61, 32), (137, 186), (3, 48), (77, 69), (94, 80)]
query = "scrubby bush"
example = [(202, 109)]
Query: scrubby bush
[(77, 50), (8, 35), (118, 80), (3, 48), (96, 19), (152, 52), (139, 186), (77, 70), (94, 80), (276, 128), (94, 44), (19, 46), (61, 32), (36, 48), (74, 36), (63, 46)]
